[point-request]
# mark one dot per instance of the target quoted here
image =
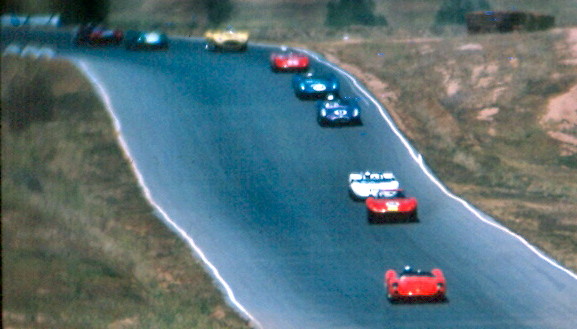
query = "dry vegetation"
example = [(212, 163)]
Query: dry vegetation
[(81, 248), (493, 115)]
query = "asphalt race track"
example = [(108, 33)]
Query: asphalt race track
[(237, 162)]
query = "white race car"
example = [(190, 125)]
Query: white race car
[(365, 184)]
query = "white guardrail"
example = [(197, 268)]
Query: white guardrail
[(13, 20), (30, 50)]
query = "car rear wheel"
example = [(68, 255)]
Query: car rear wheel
[(413, 217), (210, 46), (392, 299), (353, 196), (374, 217)]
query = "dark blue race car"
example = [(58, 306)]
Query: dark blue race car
[(137, 40), (338, 111), (310, 85)]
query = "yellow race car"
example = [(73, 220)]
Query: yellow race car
[(228, 39)]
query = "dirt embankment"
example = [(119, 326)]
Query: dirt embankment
[(560, 119)]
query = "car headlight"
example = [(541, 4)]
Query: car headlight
[(323, 112), (356, 112), (152, 37)]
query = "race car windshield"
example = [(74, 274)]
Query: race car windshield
[(333, 105), (389, 194), (417, 273), (377, 180), (317, 78)]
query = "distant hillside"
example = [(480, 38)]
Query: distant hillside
[(402, 15), (305, 14)]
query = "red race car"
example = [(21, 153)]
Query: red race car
[(96, 35), (413, 285), (391, 205), (289, 62)]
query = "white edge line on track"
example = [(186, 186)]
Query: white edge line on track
[(117, 127), (418, 158)]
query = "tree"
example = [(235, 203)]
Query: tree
[(453, 11), (350, 12), (218, 11)]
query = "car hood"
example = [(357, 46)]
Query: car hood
[(417, 286), (152, 37), (291, 61), (398, 204), (223, 36)]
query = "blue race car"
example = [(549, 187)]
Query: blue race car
[(310, 85), (135, 40), (338, 111)]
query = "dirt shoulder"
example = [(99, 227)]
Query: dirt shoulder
[(560, 119)]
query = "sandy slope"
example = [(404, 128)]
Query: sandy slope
[(560, 118)]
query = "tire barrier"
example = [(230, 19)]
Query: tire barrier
[(30, 50)]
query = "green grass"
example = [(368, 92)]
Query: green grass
[(81, 248)]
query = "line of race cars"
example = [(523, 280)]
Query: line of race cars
[(385, 201), (332, 109), (98, 35)]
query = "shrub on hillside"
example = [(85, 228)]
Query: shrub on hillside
[(353, 12), (507, 21), (454, 11), (218, 11)]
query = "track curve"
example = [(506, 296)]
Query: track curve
[(238, 163)]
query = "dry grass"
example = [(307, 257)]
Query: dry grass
[(81, 248), (473, 106)]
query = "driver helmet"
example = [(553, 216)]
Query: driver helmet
[(407, 269), (367, 174)]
